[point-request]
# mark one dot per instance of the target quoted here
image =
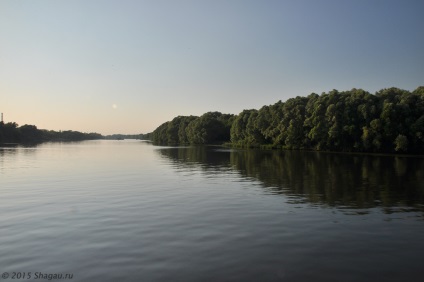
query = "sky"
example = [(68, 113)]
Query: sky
[(128, 66)]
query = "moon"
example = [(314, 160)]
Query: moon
[(114, 106)]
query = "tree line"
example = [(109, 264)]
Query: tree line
[(210, 128), (13, 133), (124, 136), (391, 120)]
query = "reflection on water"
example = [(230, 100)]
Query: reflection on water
[(129, 211), (12, 153), (347, 181), (206, 158)]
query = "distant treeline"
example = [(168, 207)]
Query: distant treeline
[(391, 120), (124, 136), (12, 133)]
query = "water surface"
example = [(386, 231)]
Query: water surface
[(130, 211)]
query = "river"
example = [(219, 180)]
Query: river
[(129, 211)]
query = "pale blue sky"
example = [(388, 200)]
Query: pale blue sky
[(128, 66)]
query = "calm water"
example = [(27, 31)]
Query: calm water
[(130, 211)]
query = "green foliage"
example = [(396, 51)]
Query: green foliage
[(401, 143), (354, 121), (390, 121), (211, 127), (159, 136), (243, 128), (125, 136), (29, 133), (11, 133)]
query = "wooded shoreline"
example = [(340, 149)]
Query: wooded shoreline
[(389, 121), (12, 133)]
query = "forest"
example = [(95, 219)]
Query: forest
[(210, 128), (123, 136), (11, 132), (389, 121)]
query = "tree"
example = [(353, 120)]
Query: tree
[(238, 131), (401, 143), (30, 133), (210, 128)]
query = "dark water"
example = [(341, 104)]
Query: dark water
[(130, 211)]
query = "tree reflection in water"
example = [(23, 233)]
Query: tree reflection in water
[(350, 181)]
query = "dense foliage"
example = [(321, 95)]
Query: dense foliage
[(124, 136), (12, 133), (392, 120), (210, 128)]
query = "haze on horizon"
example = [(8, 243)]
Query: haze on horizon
[(128, 66)]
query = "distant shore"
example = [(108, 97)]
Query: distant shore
[(391, 121)]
